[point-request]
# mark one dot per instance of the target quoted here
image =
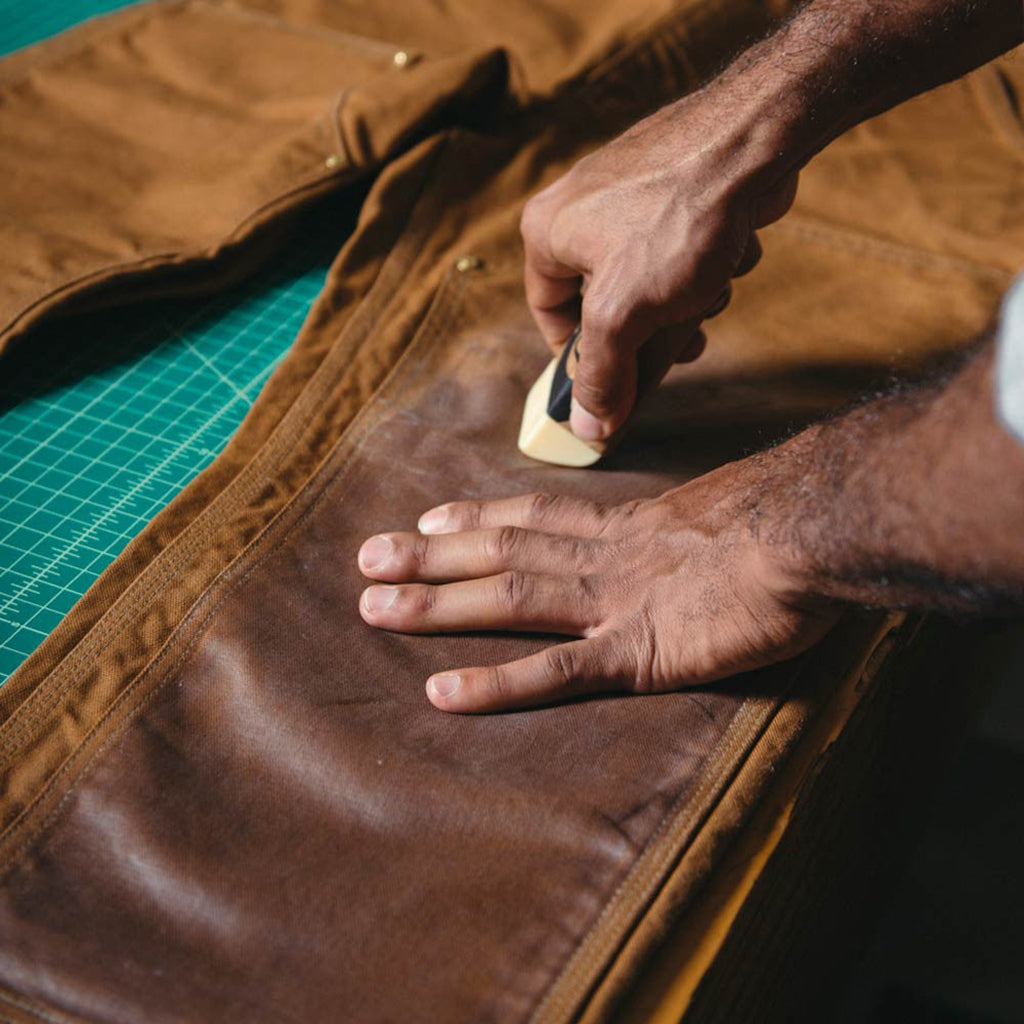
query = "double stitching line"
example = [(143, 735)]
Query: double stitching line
[(351, 440), (36, 705)]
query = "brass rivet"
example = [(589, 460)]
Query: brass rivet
[(466, 263), (333, 162), (401, 58)]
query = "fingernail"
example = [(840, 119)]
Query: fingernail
[(445, 684), (379, 599), (434, 520), (585, 425), (375, 552)]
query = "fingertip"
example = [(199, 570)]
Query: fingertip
[(375, 553), (435, 520), (604, 389), (376, 600), (443, 689), (720, 304)]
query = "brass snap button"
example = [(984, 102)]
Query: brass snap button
[(401, 59), (464, 264), (333, 162)]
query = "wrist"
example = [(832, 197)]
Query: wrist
[(772, 96), (755, 120), (782, 524), (839, 62)]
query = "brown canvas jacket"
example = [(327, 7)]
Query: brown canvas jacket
[(223, 796)]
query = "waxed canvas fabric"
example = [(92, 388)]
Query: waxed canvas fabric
[(224, 796)]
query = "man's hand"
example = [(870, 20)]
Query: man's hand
[(670, 592), (745, 566), (648, 231)]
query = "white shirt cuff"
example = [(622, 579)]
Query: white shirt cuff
[(1009, 381)]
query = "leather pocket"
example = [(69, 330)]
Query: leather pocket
[(165, 134)]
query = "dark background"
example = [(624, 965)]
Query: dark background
[(949, 945)]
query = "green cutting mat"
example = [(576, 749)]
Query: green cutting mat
[(105, 418)]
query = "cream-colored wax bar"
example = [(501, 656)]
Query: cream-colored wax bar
[(545, 439)]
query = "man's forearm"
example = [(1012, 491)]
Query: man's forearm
[(914, 499), (837, 62), (917, 498)]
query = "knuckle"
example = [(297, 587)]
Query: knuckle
[(513, 588), (611, 519), (563, 665), (580, 557), (419, 554), (587, 590), (690, 270), (589, 602), (464, 515), (531, 221), (502, 544), (701, 278), (592, 389), (498, 682), (538, 506), (423, 599)]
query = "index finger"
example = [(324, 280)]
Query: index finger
[(553, 295), (547, 513)]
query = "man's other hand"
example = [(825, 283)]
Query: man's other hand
[(670, 592)]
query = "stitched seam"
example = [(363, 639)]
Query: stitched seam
[(276, 449), (141, 13), (299, 427), (339, 135), (608, 912), (58, 49), (684, 815), (75, 660), (672, 854), (354, 436)]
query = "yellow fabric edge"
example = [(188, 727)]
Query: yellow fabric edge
[(723, 902)]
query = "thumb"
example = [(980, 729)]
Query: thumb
[(605, 382)]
